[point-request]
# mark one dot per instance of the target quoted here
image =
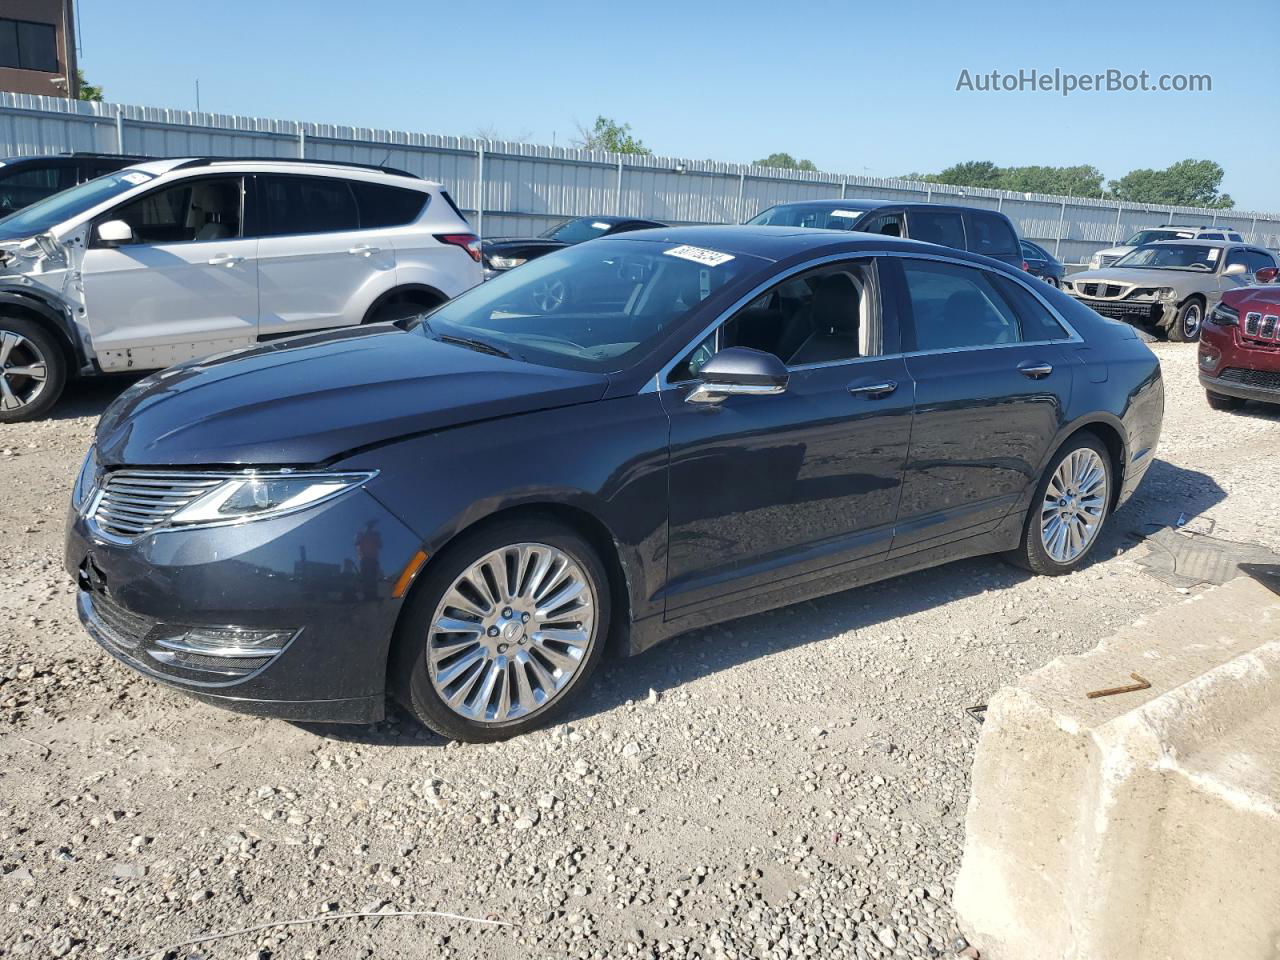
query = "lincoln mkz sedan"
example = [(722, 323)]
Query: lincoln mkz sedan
[(461, 511)]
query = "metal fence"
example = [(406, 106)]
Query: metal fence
[(521, 188)]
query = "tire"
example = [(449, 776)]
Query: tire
[(27, 347), (1033, 552), (396, 308), (473, 658), (1186, 325), (1218, 402)]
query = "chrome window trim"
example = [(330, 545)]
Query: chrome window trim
[(660, 382)]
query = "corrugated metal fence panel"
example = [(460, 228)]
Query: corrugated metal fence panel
[(529, 187)]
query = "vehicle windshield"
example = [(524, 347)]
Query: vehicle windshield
[(1151, 236), (1172, 256), (588, 307), (577, 231), (822, 216), (45, 215)]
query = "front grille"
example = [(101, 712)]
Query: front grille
[(1109, 290), (1126, 310), (133, 502), (1089, 289), (1112, 290), (1260, 327), (1263, 379)]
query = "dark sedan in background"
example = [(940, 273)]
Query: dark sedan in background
[(24, 180), (463, 510), (499, 254), (1043, 264)]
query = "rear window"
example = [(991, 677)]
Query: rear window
[(385, 206), (1037, 322), (943, 228), (991, 235), (454, 207), (291, 205)]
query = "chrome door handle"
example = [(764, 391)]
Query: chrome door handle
[(225, 260), (364, 250), (875, 389), (1035, 371)]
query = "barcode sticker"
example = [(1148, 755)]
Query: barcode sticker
[(709, 258)]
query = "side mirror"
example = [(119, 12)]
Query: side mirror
[(1267, 274), (115, 232), (739, 371), (1235, 270)]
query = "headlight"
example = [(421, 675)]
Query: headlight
[(1224, 316), (1167, 293), (86, 479), (506, 263), (258, 496)]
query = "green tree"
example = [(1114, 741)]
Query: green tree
[(787, 162), (971, 173), (609, 135), (1078, 181), (1187, 183), (87, 90)]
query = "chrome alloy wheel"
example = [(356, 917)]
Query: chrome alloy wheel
[(1191, 322), (511, 633), (549, 295), (1075, 503), (23, 371)]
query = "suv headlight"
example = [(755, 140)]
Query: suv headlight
[(258, 496), (86, 479), (1224, 316), (1166, 293), (506, 263)]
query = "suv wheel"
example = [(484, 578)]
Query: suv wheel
[(502, 633), (1186, 325), (33, 370), (1218, 402), (395, 309), (1069, 509)]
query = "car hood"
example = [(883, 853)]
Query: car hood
[(1181, 280), (501, 245), (309, 399), (1263, 297)]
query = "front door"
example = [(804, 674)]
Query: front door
[(185, 286), (767, 488), (991, 390)]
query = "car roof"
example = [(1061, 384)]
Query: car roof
[(199, 165), (867, 203), (1196, 241), (779, 243)]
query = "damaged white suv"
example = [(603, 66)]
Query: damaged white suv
[(170, 260)]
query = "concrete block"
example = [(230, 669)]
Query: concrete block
[(1141, 826)]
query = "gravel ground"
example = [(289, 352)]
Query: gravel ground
[(790, 785)]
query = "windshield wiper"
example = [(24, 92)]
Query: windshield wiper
[(478, 345)]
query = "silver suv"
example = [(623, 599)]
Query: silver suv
[(169, 260), (1167, 231)]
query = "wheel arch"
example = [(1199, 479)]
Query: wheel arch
[(1110, 432), (417, 293), (38, 311)]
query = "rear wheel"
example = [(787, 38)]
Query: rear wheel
[(1186, 325), (1218, 402), (1069, 509), (503, 632), (33, 370)]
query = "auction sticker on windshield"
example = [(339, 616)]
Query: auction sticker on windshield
[(709, 258), (136, 178)]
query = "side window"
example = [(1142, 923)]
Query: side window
[(944, 228), (955, 306), (1212, 236), (991, 235), (1036, 320), (1238, 255), (385, 206), (24, 187), (292, 205), (887, 225), (1258, 260), (823, 316), (191, 210)]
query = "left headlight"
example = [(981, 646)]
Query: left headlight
[(86, 479), (1167, 293), (506, 263), (257, 496)]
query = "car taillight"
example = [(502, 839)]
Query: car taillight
[(467, 241), (1026, 266)]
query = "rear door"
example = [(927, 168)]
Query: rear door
[(991, 390), (945, 227), (317, 267), (991, 235), (186, 286)]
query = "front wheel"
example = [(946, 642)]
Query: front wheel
[(33, 370), (1069, 509), (503, 632), (1186, 325)]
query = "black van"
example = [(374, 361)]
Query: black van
[(24, 180), (979, 231)]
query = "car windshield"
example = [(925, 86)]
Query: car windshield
[(61, 207), (823, 216), (1172, 256), (577, 231), (1151, 236), (587, 307)]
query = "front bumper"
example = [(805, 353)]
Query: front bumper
[(1146, 313), (324, 577), (1261, 385)]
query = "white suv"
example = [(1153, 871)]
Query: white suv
[(169, 260)]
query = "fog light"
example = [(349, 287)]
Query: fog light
[(1208, 359), (227, 642)]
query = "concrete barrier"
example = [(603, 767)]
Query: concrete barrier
[(1143, 825)]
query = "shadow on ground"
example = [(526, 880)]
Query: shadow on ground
[(1168, 492), (90, 396)]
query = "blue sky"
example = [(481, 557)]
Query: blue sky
[(864, 88)]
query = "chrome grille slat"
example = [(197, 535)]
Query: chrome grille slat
[(133, 502)]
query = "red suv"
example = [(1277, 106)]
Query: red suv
[(1240, 346)]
